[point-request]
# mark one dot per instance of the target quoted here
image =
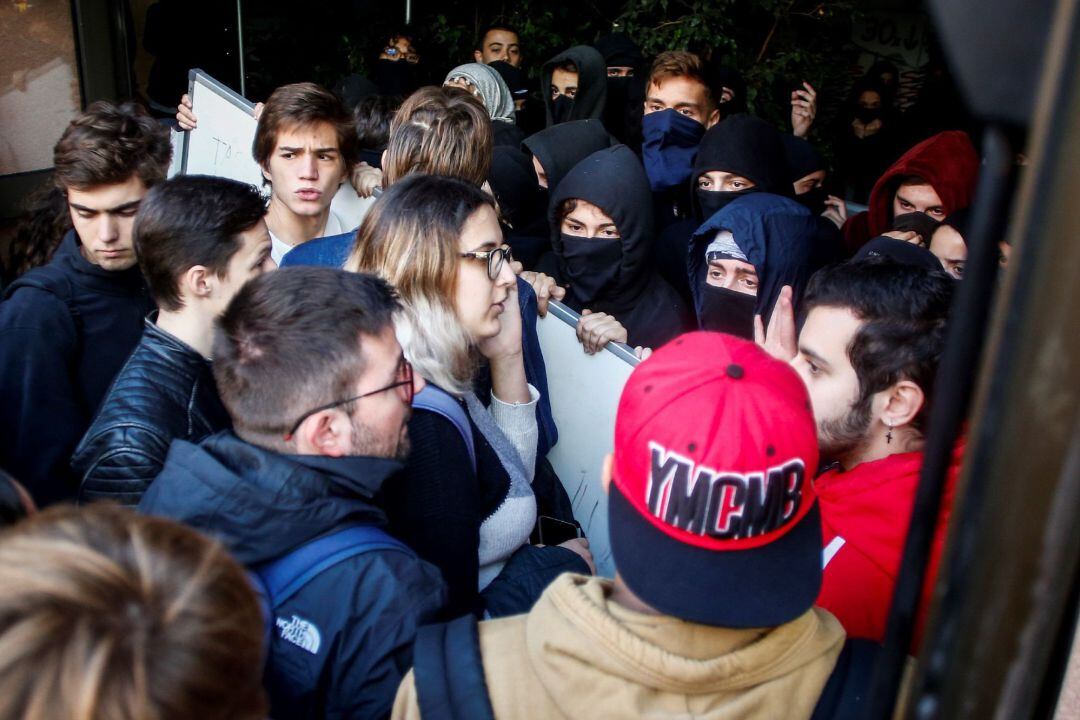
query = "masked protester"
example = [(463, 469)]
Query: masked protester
[(573, 85), (936, 177), (625, 88), (522, 206), (948, 242), (869, 140), (744, 255), (396, 70), (740, 155), (602, 228), (808, 174)]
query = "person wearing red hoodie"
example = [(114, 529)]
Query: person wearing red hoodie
[(868, 353), (936, 177)]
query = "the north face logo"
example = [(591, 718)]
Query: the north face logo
[(301, 633)]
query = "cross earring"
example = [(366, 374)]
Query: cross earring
[(888, 436)]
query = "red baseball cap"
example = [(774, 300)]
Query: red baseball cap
[(712, 511)]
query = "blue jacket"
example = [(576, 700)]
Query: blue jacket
[(66, 328), (366, 609), (333, 251), (166, 390)]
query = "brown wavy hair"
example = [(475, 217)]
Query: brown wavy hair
[(440, 131), (108, 614)]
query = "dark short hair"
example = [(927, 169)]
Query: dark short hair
[(107, 144), (911, 180), (303, 105), (567, 66), (495, 25), (904, 310), (371, 120), (191, 220), (290, 340)]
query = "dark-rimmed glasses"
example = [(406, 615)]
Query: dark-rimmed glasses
[(405, 373), (494, 259)]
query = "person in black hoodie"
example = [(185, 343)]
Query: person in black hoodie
[(808, 172), (522, 210), (625, 88), (67, 327), (319, 394), (199, 239), (556, 150), (574, 85), (602, 229), (742, 154), (744, 258)]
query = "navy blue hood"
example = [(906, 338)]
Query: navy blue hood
[(777, 236), (259, 503)]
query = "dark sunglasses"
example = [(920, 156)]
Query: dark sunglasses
[(405, 373), (494, 259)]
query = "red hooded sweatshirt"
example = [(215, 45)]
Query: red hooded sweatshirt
[(865, 514), (947, 161)]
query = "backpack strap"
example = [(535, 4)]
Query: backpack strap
[(50, 279), (449, 672), (848, 687), (435, 399), (284, 576)]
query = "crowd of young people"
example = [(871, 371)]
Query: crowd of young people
[(334, 470)]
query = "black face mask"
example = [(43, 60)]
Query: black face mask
[(920, 222), (561, 107), (711, 201), (592, 265), (813, 200), (727, 311), (867, 115)]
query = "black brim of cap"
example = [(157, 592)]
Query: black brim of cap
[(763, 587)]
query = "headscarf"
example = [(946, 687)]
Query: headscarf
[(494, 92)]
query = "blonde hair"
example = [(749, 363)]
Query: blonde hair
[(410, 239), (109, 614), (439, 131)]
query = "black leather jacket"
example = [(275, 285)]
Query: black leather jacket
[(165, 390)]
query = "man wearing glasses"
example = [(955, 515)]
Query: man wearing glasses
[(319, 393)]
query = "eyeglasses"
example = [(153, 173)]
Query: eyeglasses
[(404, 372), (494, 258)]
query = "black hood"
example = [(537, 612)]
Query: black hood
[(619, 51), (614, 181), (592, 82), (259, 503), (747, 146), (802, 157), (513, 181), (559, 148)]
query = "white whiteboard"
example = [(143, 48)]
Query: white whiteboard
[(221, 144), (178, 138), (584, 391)]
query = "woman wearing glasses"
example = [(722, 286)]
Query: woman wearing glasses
[(466, 509)]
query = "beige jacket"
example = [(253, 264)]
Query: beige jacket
[(577, 655)]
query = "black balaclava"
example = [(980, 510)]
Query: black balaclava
[(591, 87), (775, 234), (560, 147), (804, 159), (744, 145), (615, 273), (625, 95)]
